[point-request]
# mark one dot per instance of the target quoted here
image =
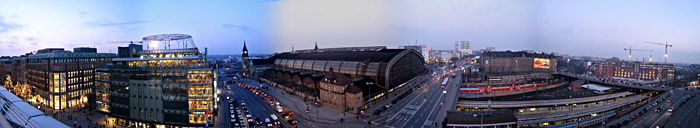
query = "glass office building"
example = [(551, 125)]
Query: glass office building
[(159, 87)]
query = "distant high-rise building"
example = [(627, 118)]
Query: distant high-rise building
[(466, 45), (456, 45)]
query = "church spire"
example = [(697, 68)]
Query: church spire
[(245, 50), (316, 47)]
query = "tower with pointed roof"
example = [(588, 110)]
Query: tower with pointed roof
[(316, 47), (244, 61), (245, 50)]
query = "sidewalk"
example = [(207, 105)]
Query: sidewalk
[(80, 118)]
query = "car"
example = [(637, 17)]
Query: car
[(670, 109), (635, 116), (285, 115), (658, 109), (626, 122), (292, 121), (267, 122), (290, 113), (272, 103), (227, 97), (274, 119), (257, 121), (279, 109), (377, 112), (237, 124), (617, 125), (388, 105)]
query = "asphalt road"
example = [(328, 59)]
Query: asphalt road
[(255, 108), (686, 116), (418, 109), (650, 117)]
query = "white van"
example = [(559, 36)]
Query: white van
[(275, 120)]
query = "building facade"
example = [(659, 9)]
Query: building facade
[(380, 74), (337, 91), (480, 119), (170, 87), (635, 70), (65, 79), (517, 62)]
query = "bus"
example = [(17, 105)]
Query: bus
[(444, 83)]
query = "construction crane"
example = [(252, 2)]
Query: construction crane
[(630, 49), (666, 50)]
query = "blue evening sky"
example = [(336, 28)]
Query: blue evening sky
[(598, 28)]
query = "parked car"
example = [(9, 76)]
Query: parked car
[(377, 112), (257, 121), (267, 122), (388, 105)]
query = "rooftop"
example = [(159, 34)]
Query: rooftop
[(517, 54), (383, 55), (475, 117)]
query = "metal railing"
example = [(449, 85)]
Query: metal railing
[(19, 113)]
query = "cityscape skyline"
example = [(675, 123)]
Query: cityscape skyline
[(566, 27), (359, 63)]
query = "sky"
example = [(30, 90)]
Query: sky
[(598, 28)]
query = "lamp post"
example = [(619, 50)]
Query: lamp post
[(369, 122)]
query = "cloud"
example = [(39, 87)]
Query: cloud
[(5, 26), (109, 24), (239, 27), (30, 39)]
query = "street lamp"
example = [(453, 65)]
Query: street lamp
[(369, 122)]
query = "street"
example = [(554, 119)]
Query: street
[(422, 107)]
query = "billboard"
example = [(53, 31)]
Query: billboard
[(541, 63)]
